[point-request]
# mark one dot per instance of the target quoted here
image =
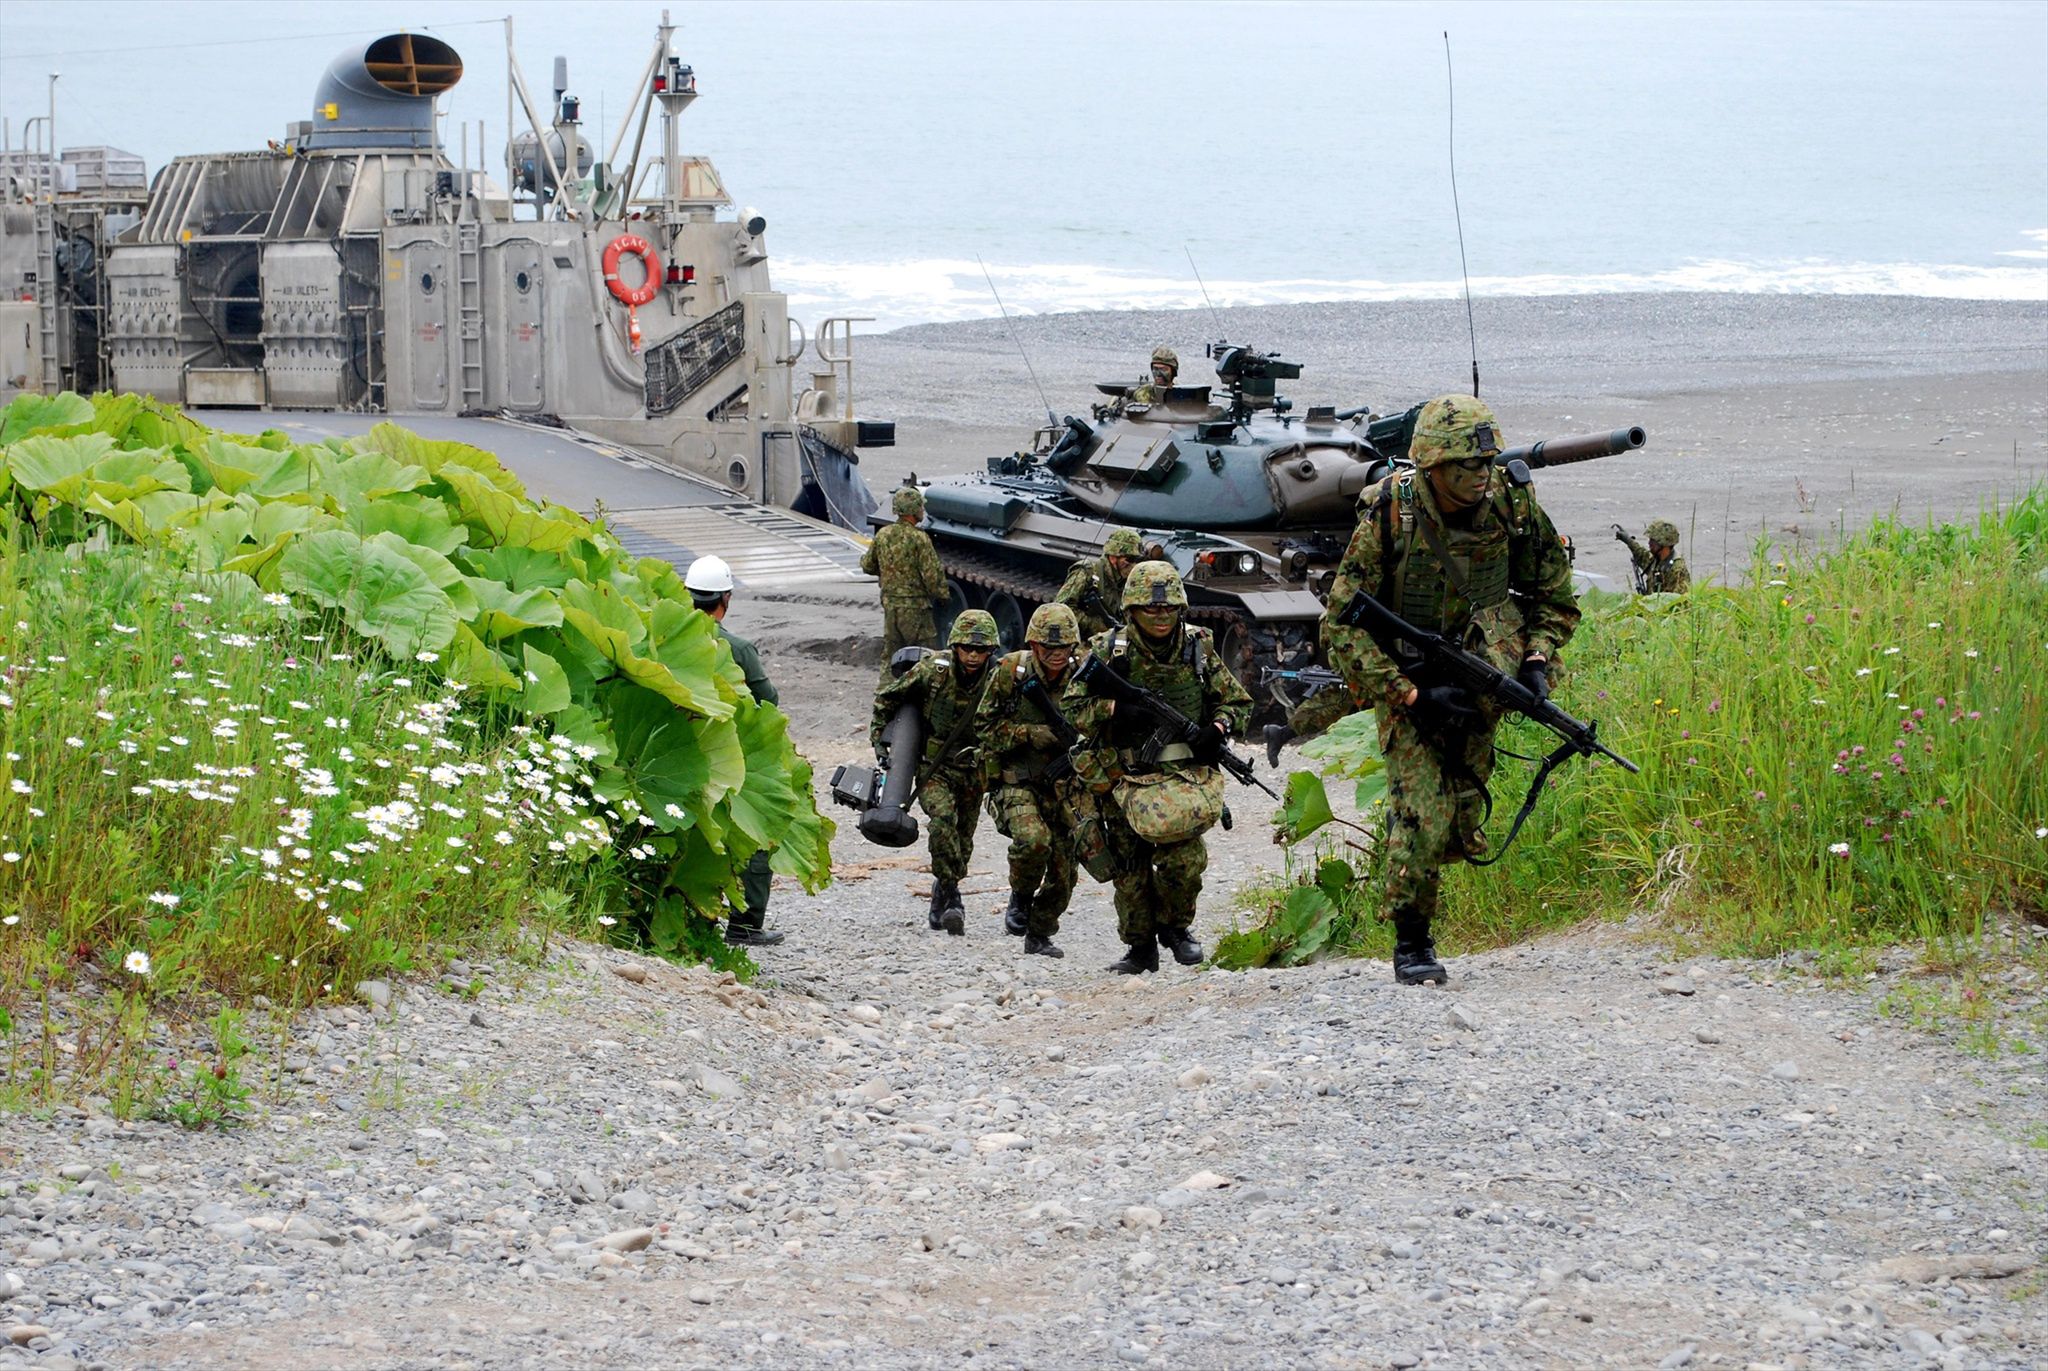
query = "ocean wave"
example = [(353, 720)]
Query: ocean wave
[(939, 290)]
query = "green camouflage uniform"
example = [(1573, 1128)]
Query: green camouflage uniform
[(1148, 391), (950, 783), (1658, 575), (1017, 746), (903, 559), (1158, 884), (756, 878), (1514, 566), (1093, 589)]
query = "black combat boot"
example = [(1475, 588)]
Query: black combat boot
[(936, 918), (1038, 945), (1414, 953), (744, 930), (1137, 959), (1181, 943), (1277, 737), (1015, 921), (952, 914)]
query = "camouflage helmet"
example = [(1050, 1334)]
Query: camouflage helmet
[(1154, 583), (1053, 626), (1163, 356), (974, 628), (1453, 428), (1123, 543), (1663, 531), (908, 501)]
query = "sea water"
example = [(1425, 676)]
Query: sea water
[(1092, 156)]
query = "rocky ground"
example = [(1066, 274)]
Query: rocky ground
[(899, 1149)]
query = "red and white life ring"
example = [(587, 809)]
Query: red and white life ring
[(632, 296)]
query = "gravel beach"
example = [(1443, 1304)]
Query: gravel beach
[(899, 1149)]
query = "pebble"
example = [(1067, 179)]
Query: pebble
[(1194, 1078), (1706, 1035), (1786, 1070), (1143, 1216), (22, 1334), (1462, 1018)]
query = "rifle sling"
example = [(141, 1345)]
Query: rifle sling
[(1565, 752)]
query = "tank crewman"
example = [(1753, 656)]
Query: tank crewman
[(1160, 805), (709, 581), (947, 688), (1020, 752), (1658, 568), (903, 559), (1095, 586), (1165, 366), (1453, 547)]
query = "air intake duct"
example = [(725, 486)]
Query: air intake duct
[(382, 95)]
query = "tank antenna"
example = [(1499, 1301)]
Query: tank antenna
[(1451, 131), (1216, 318), (1008, 322)]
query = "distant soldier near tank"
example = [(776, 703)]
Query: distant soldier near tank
[(1162, 802), (1658, 568), (1095, 586), (903, 559), (1165, 367), (1453, 547), (947, 688), (1024, 762)]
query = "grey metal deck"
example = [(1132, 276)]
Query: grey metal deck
[(654, 510)]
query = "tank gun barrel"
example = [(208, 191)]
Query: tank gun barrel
[(1579, 447)]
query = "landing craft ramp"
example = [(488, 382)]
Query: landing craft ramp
[(655, 510)]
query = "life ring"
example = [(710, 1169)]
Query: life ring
[(632, 296)]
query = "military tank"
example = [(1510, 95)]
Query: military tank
[(1252, 502)]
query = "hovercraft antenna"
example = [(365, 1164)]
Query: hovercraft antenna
[(1050, 418)]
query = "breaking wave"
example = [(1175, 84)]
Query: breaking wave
[(939, 290)]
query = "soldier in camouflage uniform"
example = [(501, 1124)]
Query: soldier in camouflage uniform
[(1455, 547), (1095, 586), (946, 688), (903, 558), (1172, 797), (1023, 761), (1658, 568), (1165, 367)]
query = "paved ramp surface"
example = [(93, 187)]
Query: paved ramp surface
[(655, 510)]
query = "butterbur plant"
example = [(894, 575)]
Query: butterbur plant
[(280, 717)]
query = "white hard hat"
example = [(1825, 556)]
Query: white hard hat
[(708, 576)]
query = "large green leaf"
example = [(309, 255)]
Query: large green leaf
[(661, 756), (415, 518), (58, 467), (141, 471), (261, 472), (506, 518), (502, 612), (1303, 925), (547, 686), (805, 851), (439, 456), (765, 804), (1304, 809), (381, 594), (687, 641), (442, 572), (360, 479), (219, 534), (521, 568), (27, 413), (471, 661)]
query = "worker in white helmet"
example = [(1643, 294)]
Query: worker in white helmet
[(709, 581)]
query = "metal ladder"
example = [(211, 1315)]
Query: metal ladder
[(46, 275), (469, 291)]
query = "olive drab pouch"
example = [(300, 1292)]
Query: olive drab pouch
[(1172, 806), (1091, 836)]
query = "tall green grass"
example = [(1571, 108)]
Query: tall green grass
[(1848, 749), (209, 794)]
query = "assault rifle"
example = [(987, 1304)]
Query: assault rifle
[(1034, 690), (1170, 725), (1430, 659), (1313, 680)]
